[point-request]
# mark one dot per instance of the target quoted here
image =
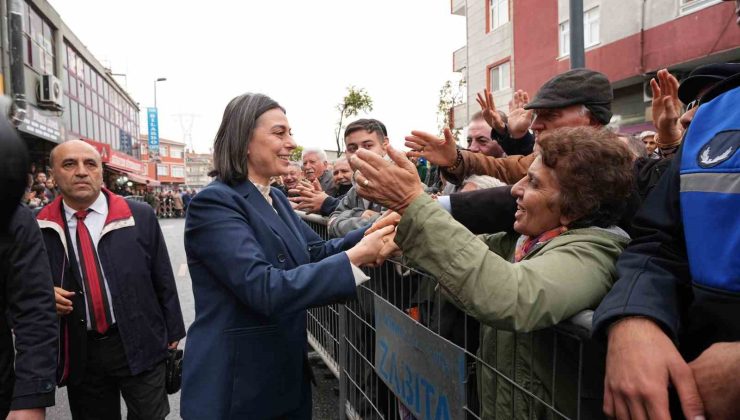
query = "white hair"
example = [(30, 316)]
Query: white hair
[(320, 153), (296, 165), (483, 181), (340, 160)]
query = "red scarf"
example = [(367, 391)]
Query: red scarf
[(526, 245)]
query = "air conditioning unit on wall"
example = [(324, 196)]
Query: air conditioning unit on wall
[(50, 92)]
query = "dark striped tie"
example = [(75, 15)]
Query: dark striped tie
[(97, 300)]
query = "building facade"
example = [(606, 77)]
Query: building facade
[(638, 38), (63, 92), (197, 167), (169, 168)]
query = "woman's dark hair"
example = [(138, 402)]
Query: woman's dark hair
[(235, 133), (594, 170)]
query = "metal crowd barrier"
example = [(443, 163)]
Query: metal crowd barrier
[(344, 335)]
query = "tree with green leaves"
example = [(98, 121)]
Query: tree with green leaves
[(450, 96), (357, 100), (295, 155)]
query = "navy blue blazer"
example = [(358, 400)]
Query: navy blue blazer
[(255, 270)]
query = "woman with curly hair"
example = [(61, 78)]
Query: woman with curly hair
[(560, 261)]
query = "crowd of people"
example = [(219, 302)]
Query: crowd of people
[(560, 184), (41, 190), (546, 212)]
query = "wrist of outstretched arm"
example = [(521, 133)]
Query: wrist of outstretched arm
[(666, 139), (457, 163)]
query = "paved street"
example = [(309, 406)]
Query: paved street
[(325, 401)]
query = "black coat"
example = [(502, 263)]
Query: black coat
[(27, 307), (137, 268)]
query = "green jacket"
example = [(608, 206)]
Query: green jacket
[(515, 302)]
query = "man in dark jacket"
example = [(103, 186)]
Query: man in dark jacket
[(679, 280), (115, 292), (28, 363), (28, 360)]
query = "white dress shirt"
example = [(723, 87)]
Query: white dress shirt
[(95, 221)]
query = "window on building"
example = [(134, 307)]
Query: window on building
[(74, 116), (163, 150), (564, 39), (591, 27), (176, 153), (688, 6), (499, 77), (498, 13), (162, 170), (178, 171), (591, 35), (39, 40)]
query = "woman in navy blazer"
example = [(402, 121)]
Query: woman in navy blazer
[(256, 267)]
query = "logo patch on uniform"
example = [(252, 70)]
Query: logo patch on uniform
[(720, 148)]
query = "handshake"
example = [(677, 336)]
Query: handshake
[(378, 244)]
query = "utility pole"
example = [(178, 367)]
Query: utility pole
[(577, 53), (186, 125)]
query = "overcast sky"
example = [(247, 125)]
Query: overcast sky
[(303, 54)]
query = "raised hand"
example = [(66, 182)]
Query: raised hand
[(438, 151), (666, 107), (488, 110), (519, 118), (382, 182)]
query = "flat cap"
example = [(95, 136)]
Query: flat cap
[(577, 87), (704, 77)]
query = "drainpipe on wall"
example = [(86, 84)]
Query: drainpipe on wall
[(642, 38), (17, 68), (4, 43)]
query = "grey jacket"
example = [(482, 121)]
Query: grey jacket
[(347, 216)]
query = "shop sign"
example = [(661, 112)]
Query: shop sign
[(44, 124), (125, 162), (102, 148)]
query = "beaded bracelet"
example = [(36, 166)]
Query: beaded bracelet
[(458, 162)]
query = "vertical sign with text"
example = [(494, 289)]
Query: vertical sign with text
[(425, 371), (153, 124)]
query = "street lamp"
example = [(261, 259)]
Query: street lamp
[(159, 79)]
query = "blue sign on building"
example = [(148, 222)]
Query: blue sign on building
[(153, 124)]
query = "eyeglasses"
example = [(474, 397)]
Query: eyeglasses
[(692, 104)]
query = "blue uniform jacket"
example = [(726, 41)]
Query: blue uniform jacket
[(694, 296), (255, 270)]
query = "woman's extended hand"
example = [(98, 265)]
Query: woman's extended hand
[(389, 218), (366, 251), (382, 182)]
